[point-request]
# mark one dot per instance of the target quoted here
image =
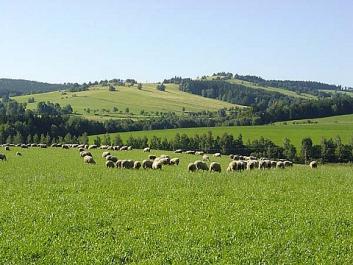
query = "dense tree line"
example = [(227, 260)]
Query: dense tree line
[(270, 106), (329, 150), (309, 87)]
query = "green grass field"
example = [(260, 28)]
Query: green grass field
[(148, 99), (56, 210), (325, 127)]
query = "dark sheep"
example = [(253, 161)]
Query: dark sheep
[(109, 164), (128, 164), (174, 161), (105, 154), (3, 157), (18, 154), (118, 163), (147, 164), (215, 167), (85, 153), (192, 167), (137, 165), (7, 148), (200, 165), (313, 164), (111, 158), (280, 164)]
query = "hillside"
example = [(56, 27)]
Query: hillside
[(14, 87), (98, 101), (329, 127)]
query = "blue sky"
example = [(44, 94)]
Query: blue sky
[(149, 40)]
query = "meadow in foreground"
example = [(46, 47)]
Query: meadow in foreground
[(55, 209)]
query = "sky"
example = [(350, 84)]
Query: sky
[(149, 40)]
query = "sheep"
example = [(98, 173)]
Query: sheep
[(88, 160), (109, 164), (105, 154), (7, 148), (152, 157), (178, 151), (313, 164), (205, 158), (118, 163), (192, 167), (200, 153), (235, 157), (24, 146), (232, 166), (137, 165), (157, 164), (190, 152), (251, 165), (129, 148), (164, 156), (215, 167), (18, 154), (85, 153), (147, 149), (92, 146), (263, 164), (123, 148), (231, 157), (81, 150), (163, 160), (175, 161), (65, 146), (200, 165), (34, 145), (217, 154), (111, 158), (42, 145), (288, 163), (147, 164), (3, 157), (280, 164), (242, 165), (273, 164), (128, 164)]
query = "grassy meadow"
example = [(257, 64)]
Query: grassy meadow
[(55, 210), (148, 99), (294, 130)]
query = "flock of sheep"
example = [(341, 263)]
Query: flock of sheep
[(237, 163)]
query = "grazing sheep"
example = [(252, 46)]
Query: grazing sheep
[(105, 154), (109, 164), (280, 164), (81, 149), (85, 153), (147, 164), (24, 146), (190, 152), (34, 145), (118, 163), (42, 145), (273, 164), (152, 157), (232, 166), (200, 153), (200, 165), (81, 146), (137, 165), (88, 160), (251, 165), (163, 160), (231, 157), (178, 151), (288, 163), (263, 164), (116, 148), (205, 158), (215, 167), (192, 167), (3, 157), (217, 154), (157, 164), (164, 156), (313, 164), (147, 149), (123, 148), (128, 164), (18, 154), (92, 146), (129, 148), (175, 161), (111, 158), (65, 146), (7, 148)]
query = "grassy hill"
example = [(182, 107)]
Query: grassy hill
[(294, 130), (149, 100)]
